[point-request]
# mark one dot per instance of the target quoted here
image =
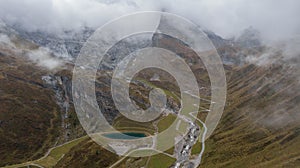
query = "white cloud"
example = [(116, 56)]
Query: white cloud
[(43, 58), (275, 19), (5, 40)]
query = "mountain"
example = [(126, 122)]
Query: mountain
[(259, 128), (250, 38), (65, 45)]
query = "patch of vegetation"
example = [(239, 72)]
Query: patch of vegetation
[(29, 115), (161, 161), (122, 123), (87, 154), (165, 122), (58, 153)]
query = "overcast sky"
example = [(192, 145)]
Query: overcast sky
[(276, 19)]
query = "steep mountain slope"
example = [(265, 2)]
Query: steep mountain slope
[(29, 115), (35, 112), (260, 126)]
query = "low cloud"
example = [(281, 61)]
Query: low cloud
[(5, 40), (275, 20), (266, 58), (43, 58), (286, 52)]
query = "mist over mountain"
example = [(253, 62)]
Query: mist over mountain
[(63, 26), (275, 20)]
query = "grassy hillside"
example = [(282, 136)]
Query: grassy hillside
[(259, 127), (29, 115)]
